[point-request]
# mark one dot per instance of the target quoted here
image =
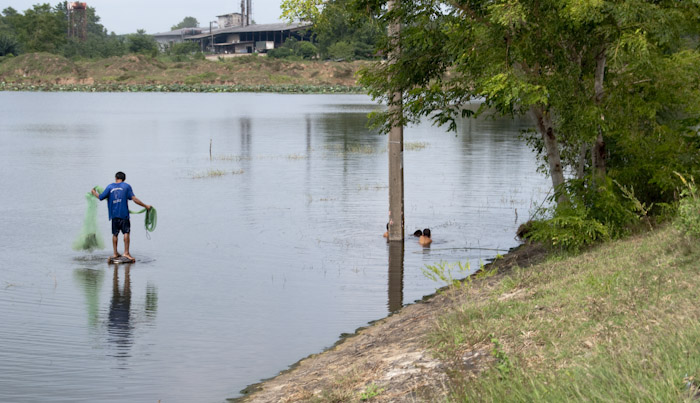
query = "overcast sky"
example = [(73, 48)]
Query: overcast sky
[(126, 16)]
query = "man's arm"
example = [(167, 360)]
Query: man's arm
[(104, 194), (140, 203)]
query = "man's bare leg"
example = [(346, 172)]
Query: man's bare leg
[(114, 245), (126, 247)]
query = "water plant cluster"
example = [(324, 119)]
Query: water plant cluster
[(203, 88)]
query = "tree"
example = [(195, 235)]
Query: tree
[(340, 30), (39, 29), (587, 72), (187, 22), (140, 42)]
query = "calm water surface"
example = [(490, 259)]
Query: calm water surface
[(247, 272)]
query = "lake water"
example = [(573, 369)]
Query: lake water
[(263, 254)]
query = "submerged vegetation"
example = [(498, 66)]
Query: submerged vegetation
[(215, 173), (206, 88)]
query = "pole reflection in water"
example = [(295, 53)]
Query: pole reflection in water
[(396, 253)]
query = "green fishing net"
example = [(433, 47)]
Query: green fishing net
[(89, 238), (151, 219)]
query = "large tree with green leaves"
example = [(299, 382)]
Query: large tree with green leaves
[(598, 77)]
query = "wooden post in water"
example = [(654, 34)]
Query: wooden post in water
[(396, 202)]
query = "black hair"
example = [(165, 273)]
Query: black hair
[(426, 232), (418, 233), (120, 175), (387, 226)]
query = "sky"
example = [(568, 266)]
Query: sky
[(126, 16)]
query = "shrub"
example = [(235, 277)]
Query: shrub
[(688, 219), (341, 51), (184, 48), (8, 45), (570, 229), (595, 212), (306, 50), (293, 48), (279, 53)]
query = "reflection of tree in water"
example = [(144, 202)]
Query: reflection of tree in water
[(345, 130)]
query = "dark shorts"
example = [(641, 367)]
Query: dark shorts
[(120, 224)]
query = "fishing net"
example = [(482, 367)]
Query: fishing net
[(151, 219), (89, 238)]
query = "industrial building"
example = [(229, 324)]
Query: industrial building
[(236, 33), (254, 38)]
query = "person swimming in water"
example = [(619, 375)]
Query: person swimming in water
[(386, 234), (418, 233), (425, 237)]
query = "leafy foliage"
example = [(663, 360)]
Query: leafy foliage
[(342, 32), (8, 45), (142, 43), (570, 229), (187, 22), (293, 48), (688, 220)]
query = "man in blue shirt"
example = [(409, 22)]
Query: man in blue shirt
[(118, 194)]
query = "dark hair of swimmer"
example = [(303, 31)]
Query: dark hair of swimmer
[(387, 226), (426, 232), (418, 233)]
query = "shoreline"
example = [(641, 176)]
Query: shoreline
[(183, 88), (391, 352)]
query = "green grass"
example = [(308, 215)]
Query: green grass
[(617, 323)]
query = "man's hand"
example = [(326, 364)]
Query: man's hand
[(94, 193), (148, 207)]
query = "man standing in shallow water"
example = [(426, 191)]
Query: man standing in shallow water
[(118, 194)]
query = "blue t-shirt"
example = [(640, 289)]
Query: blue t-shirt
[(119, 194)]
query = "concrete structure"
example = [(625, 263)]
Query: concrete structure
[(166, 39), (257, 38), (230, 20)]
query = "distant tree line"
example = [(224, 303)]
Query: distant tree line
[(338, 32), (44, 28)]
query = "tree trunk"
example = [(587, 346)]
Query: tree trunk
[(581, 169), (598, 152), (544, 125)]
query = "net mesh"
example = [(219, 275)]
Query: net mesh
[(89, 238)]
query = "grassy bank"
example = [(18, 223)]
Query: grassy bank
[(618, 323), (48, 72)]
